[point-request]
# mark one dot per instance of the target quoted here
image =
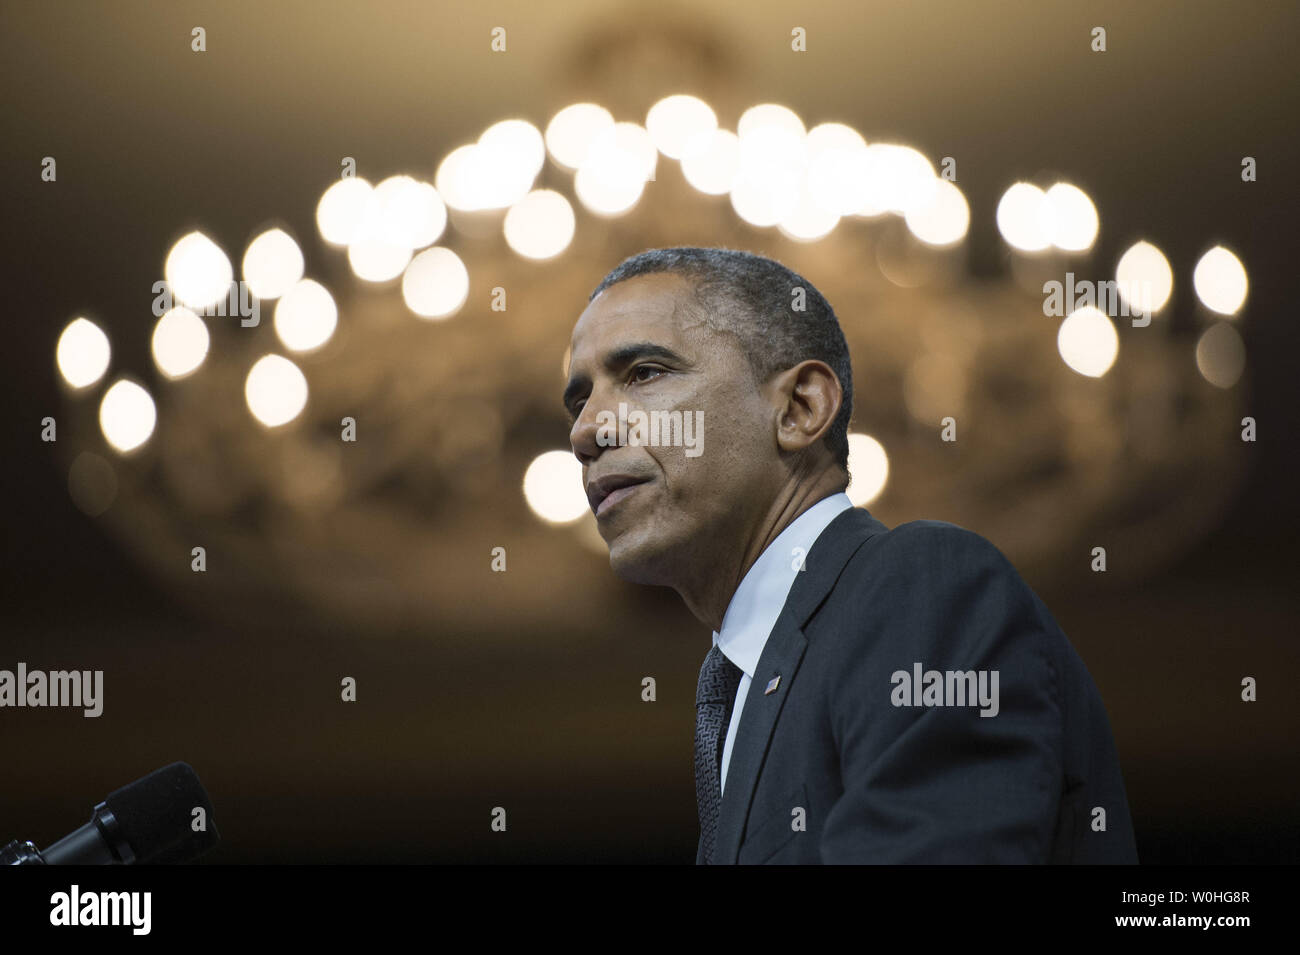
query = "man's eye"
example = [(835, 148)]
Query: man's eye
[(636, 372)]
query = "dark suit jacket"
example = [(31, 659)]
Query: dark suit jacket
[(880, 783)]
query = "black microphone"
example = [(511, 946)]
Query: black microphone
[(148, 822)]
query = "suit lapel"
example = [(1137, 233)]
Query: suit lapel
[(781, 657)]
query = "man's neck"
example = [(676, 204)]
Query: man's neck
[(707, 595)]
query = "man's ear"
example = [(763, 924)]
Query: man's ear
[(807, 398)]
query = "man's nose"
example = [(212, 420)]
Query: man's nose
[(586, 430)]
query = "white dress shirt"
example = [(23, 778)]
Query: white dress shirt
[(760, 597)]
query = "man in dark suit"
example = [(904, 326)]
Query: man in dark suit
[(872, 695)]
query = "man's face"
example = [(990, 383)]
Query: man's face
[(638, 344)]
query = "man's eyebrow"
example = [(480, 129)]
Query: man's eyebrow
[(621, 357)]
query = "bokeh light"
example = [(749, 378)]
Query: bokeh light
[(1221, 355), (92, 483), (436, 283), (675, 124), (513, 152), (197, 271), (456, 179), (180, 342), (375, 257), (306, 316), (712, 162), (276, 390), (809, 220), (831, 137), (1019, 220), (1067, 218), (1220, 281), (869, 467), (401, 215), (540, 225), (272, 264), (572, 130), (900, 179), (496, 171), (82, 353), (943, 220), (1088, 342), (613, 175), (341, 210), (1144, 279), (770, 116), (127, 415), (403, 211), (553, 487), (430, 218), (840, 169), (769, 184)]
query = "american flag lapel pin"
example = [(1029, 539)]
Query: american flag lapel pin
[(772, 684)]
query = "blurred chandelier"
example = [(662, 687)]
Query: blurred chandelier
[(445, 344)]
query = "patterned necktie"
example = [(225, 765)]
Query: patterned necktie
[(715, 697)]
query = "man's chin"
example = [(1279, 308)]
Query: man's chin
[(638, 562)]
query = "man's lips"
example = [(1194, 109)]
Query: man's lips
[(613, 497), (610, 490)]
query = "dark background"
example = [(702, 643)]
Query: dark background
[(542, 717)]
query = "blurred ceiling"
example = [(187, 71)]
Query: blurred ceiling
[(154, 139)]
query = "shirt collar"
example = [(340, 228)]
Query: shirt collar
[(758, 600)]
